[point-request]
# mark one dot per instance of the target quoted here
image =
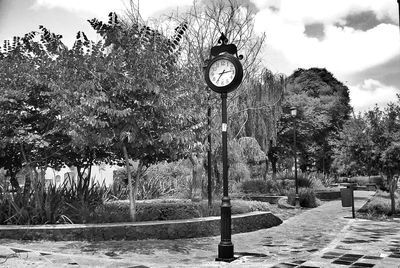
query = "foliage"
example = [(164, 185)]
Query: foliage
[(260, 108), (258, 186), (239, 206), (321, 180), (251, 150), (238, 168), (269, 186), (51, 205), (322, 108), (118, 211), (307, 197), (375, 147), (353, 149), (172, 209), (239, 172), (160, 180), (302, 178)]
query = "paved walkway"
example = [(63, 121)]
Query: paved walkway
[(326, 236)]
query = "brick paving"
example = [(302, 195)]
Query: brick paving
[(326, 236)]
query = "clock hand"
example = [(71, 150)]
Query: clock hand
[(220, 74), (224, 72)]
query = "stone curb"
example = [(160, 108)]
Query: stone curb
[(328, 195), (272, 199), (174, 229)]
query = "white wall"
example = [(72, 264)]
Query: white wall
[(99, 173)]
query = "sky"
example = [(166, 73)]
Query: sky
[(358, 41)]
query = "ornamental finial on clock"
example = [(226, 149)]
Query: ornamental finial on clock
[(224, 47)]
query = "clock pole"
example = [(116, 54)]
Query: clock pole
[(225, 247)]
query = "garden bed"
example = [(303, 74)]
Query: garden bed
[(171, 209), (172, 229)]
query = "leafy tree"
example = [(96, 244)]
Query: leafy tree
[(353, 149), (391, 166), (125, 95), (323, 107), (371, 143), (28, 122)]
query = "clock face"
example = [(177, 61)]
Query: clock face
[(222, 72)]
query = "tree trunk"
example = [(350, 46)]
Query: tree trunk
[(265, 173), (274, 169), (272, 157), (197, 171), (36, 178), (42, 176), (217, 174), (132, 208), (133, 189), (392, 190), (28, 178), (208, 167), (14, 181)]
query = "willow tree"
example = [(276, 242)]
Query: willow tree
[(259, 109)]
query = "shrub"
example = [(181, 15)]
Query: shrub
[(312, 180), (304, 181), (239, 172), (320, 181), (274, 187), (118, 211), (167, 211), (307, 198), (239, 206), (67, 203), (163, 179), (255, 186)]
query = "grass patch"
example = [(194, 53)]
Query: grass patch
[(379, 206)]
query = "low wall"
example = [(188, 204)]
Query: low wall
[(174, 229), (328, 195), (272, 199)]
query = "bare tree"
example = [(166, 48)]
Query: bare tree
[(206, 21)]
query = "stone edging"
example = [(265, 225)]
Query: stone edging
[(328, 195), (272, 199), (174, 229)]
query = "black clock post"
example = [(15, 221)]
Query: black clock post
[(224, 53)]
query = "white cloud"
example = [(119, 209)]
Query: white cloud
[(97, 7), (343, 50), (101, 8), (370, 92), (328, 11)]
